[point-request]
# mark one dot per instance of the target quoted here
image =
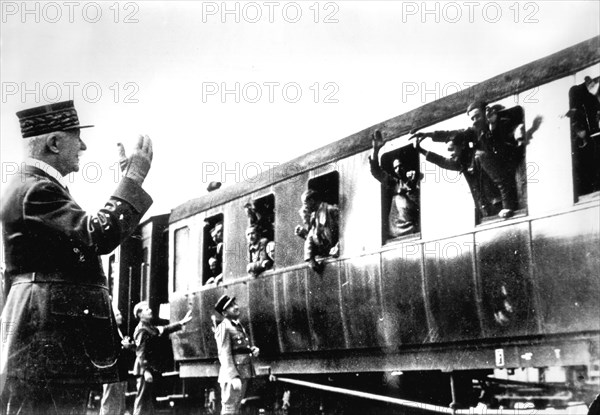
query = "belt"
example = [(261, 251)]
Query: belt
[(49, 277), (241, 351)]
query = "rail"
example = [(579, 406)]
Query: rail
[(581, 409)]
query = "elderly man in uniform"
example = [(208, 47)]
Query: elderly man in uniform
[(235, 356), (63, 336), (145, 366)]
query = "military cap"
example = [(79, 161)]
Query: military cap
[(476, 105), (494, 109), (139, 307), (60, 116), (224, 302)]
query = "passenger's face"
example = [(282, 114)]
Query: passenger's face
[(478, 118), (218, 235), (454, 150), (70, 147), (492, 117), (397, 167), (251, 236)]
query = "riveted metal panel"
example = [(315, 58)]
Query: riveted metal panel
[(507, 294), (261, 310), (361, 301), (191, 342), (324, 308), (451, 290), (566, 258), (404, 312), (292, 316)]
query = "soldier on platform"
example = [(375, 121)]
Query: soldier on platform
[(235, 355)]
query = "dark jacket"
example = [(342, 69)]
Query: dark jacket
[(146, 348), (58, 310)]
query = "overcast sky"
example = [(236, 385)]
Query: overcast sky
[(226, 90)]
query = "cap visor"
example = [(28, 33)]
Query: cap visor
[(77, 127)]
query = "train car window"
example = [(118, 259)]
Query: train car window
[(400, 176), (320, 219), (212, 251), (144, 280), (327, 186), (182, 236), (260, 234), (584, 113), (499, 163)]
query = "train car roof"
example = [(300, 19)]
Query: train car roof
[(541, 71)]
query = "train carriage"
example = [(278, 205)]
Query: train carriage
[(463, 297)]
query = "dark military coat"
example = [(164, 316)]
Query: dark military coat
[(57, 321), (235, 354)]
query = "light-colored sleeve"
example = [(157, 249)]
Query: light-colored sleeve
[(223, 339)]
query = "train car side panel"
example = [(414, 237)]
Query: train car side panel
[(566, 253), (190, 342), (451, 289), (292, 315), (361, 301), (262, 312), (507, 295), (324, 308), (405, 318)]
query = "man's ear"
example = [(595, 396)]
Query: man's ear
[(52, 142)]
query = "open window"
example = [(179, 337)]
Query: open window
[(399, 175), (584, 113), (327, 186), (212, 252), (260, 234), (500, 163), (320, 217)]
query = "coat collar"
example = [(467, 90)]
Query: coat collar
[(48, 171)]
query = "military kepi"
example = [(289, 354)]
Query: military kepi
[(60, 116), (224, 302)]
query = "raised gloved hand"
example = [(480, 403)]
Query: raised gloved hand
[(137, 165)]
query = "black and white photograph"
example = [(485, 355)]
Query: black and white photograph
[(302, 207)]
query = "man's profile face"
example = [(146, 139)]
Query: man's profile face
[(397, 167), (70, 148), (145, 314), (233, 311), (454, 150), (118, 317), (477, 116), (492, 117), (218, 234)]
